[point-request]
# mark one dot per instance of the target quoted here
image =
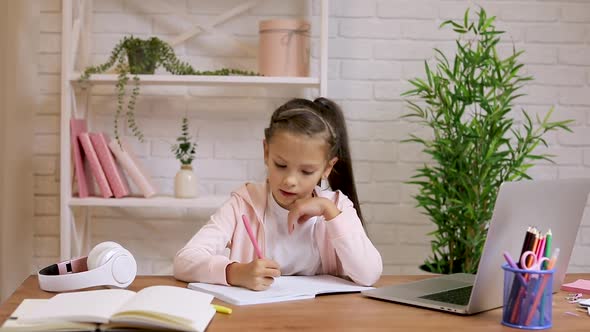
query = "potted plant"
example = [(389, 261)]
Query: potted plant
[(475, 145), (185, 181), (137, 56)]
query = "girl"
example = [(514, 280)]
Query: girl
[(302, 229)]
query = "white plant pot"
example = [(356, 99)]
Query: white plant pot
[(185, 183)]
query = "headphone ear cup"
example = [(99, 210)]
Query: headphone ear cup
[(97, 254), (124, 268), (104, 256)]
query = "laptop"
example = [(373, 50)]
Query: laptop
[(553, 204)]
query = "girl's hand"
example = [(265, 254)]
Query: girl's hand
[(257, 275), (303, 209)]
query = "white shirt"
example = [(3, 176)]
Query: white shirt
[(296, 253)]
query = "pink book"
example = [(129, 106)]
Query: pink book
[(82, 175), (578, 286), (95, 167), (109, 165), (133, 167)]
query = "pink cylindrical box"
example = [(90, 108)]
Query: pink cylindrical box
[(284, 47)]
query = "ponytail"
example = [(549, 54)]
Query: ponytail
[(342, 177)]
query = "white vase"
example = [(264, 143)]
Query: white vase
[(185, 183)]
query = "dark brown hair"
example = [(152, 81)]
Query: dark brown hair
[(324, 118)]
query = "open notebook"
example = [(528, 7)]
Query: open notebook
[(152, 308), (284, 288)]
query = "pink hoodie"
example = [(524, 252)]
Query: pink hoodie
[(345, 249)]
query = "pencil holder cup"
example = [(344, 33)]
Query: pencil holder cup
[(528, 298)]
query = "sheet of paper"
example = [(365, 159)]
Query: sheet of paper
[(94, 306), (29, 307), (285, 288), (168, 303)]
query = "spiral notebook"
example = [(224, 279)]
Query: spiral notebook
[(284, 288)]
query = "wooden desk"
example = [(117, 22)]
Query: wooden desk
[(346, 312)]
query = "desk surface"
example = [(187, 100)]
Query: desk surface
[(345, 312)]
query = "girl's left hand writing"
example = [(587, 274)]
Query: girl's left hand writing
[(303, 209)]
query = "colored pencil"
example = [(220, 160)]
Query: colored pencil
[(541, 289)]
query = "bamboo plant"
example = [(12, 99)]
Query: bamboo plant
[(467, 101)]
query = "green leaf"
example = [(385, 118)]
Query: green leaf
[(466, 18)]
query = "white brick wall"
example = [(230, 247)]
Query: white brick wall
[(375, 46)]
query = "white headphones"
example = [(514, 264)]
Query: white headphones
[(107, 264)]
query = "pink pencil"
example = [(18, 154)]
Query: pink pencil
[(541, 290), (252, 237), (541, 249)]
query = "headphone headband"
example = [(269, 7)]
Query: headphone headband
[(69, 266)]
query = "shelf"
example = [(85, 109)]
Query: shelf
[(205, 202), (110, 79)]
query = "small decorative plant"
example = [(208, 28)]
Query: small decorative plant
[(475, 144), (185, 148), (137, 56)]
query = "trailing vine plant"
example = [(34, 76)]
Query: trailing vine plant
[(135, 56)]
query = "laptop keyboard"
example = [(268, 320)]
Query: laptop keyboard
[(458, 296)]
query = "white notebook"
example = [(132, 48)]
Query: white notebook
[(284, 288), (152, 308)]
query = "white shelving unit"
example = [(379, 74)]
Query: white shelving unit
[(76, 26)]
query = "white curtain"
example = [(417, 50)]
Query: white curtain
[(19, 35)]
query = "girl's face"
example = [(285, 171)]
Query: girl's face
[(295, 165)]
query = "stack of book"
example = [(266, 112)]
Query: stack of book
[(107, 162)]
